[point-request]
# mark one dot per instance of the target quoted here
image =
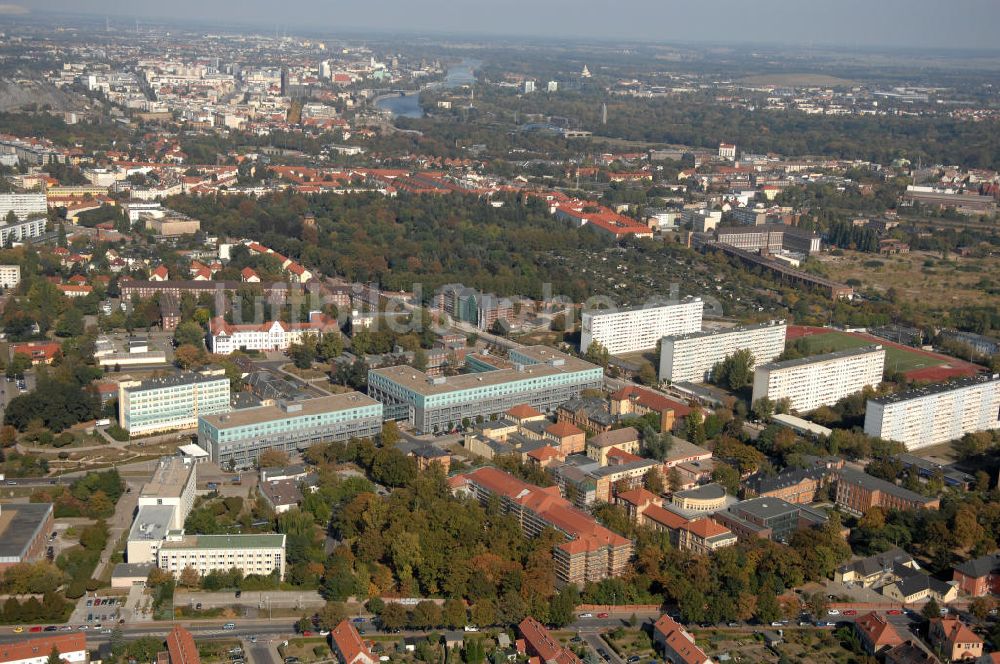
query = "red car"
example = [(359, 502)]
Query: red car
[(894, 612), (307, 633), (35, 629), (850, 612), (602, 615)]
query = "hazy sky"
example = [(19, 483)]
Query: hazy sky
[(894, 23)]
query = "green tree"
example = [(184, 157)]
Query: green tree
[(931, 609), (70, 323), (695, 427), (597, 354), (763, 409), (189, 333), (647, 374), (54, 657)]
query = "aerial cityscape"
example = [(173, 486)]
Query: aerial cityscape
[(639, 334)]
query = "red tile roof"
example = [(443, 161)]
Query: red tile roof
[(585, 533), (705, 528), (651, 400), (877, 630), (563, 430), (679, 640), (41, 647), (181, 646), (348, 644), (522, 411), (664, 517), (540, 643)]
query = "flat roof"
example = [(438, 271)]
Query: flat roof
[(419, 382), (19, 523), (938, 388), (264, 541), (641, 307), (306, 407), (168, 480), (151, 523), (176, 380), (794, 422), (815, 359), (701, 334), (764, 508)]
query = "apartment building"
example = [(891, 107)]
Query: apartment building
[(21, 230), (237, 439), (690, 357), (639, 328), (251, 554), (10, 276), (937, 413), (171, 402), (821, 380), (704, 535), (858, 492), (590, 551), (225, 337), (702, 221), (149, 532), (72, 649), (23, 205), (766, 238), (540, 377)]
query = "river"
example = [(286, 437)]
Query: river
[(408, 106)]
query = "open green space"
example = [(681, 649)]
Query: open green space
[(896, 359)]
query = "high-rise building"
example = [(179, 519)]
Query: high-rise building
[(690, 357), (639, 328), (821, 380), (936, 413), (553, 86), (22, 205), (529, 87), (540, 377), (10, 276), (238, 439), (173, 485), (171, 402)]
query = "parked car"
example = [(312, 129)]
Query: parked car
[(602, 615), (586, 615), (229, 625), (832, 612), (850, 612)]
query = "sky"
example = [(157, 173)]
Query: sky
[(847, 23)]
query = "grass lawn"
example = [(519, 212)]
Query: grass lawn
[(896, 359)]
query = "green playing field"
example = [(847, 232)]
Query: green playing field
[(896, 359)]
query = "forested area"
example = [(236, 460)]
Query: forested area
[(400, 241)]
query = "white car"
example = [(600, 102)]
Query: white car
[(471, 628), (586, 615), (832, 612)]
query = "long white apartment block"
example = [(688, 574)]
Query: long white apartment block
[(639, 328), (936, 413), (821, 380), (690, 357), (23, 205)]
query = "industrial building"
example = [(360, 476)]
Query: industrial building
[(821, 380), (936, 413), (690, 357), (24, 528), (639, 328)]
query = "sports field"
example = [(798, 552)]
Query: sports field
[(914, 363)]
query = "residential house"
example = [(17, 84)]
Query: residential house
[(920, 586), (537, 642), (980, 576), (626, 439), (567, 437), (349, 647), (909, 652), (876, 633), (676, 643), (954, 639), (877, 571)]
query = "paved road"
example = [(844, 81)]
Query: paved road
[(265, 651), (599, 645)]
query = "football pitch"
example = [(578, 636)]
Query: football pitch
[(896, 359)]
